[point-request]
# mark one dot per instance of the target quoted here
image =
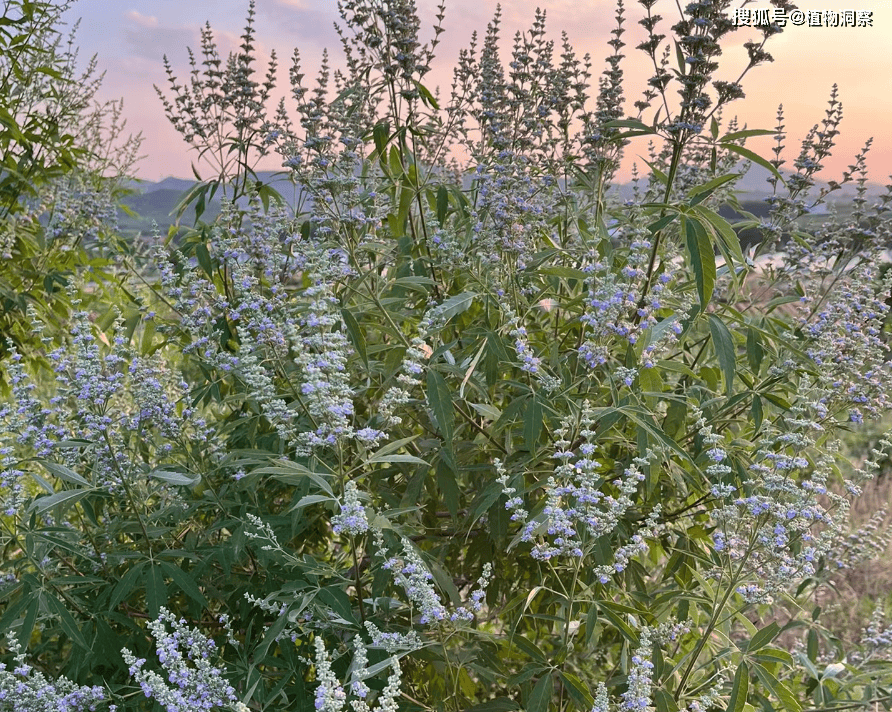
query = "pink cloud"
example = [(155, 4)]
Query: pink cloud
[(147, 21)]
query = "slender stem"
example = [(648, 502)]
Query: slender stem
[(717, 608), (126, 485), (359, 593), (673, 169)]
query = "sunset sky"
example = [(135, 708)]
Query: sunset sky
[(130, 37)]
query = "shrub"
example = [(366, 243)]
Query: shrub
[(62, 168), (465, 439)]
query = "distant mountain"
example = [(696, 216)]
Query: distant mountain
[(156, 200)]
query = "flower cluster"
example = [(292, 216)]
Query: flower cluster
[(876, 640), (778, 528), (623, 304), (114, 401), (853, 360), (411, 574), (637, 697), (330, 693), (411, 370), (511, 211), (24, 689), (581, 504), (393, 642), (193, 681), (352, 519), (478, 596)]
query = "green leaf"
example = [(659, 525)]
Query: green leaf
[(813, 647), (529, 648), (270, 638), (540, 698), (381, 134), (663, 178), (618, 622), (199, 190), (470, 370), (680, 58), (727, 240), (500, 704), (651, 383), (577, 690), (774, 655), (396, 167), (64, 473), (439, 398), (309, 499), (30, 619), (591, 622), (755, 158), (394, 446), (778, 301), (723, 343), (763, 637), (185, 582), (66, 621), (64, 499), (448, 486), (126, 585), (710, 186), (627, 124), (757, 412), (175, 478), (746, 133), (658, 225), (565, 271), (740, 689), (442, 204), (338, 601), (777, 688), (754, 350), (702, 259), (646, 421), (405, 204), (356, 336), (203, 256), (293, 473), (411, 459), (456, 305), (664, 702), (533, 420), (490, 412), (156, 591), (426, 96)]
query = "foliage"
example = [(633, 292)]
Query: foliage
[(446, 439), (62, 165)]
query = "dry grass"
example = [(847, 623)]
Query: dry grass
[(850, 598)]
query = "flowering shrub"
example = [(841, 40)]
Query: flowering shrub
[(458, 437)]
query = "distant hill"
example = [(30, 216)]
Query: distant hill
[(156, 200)]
